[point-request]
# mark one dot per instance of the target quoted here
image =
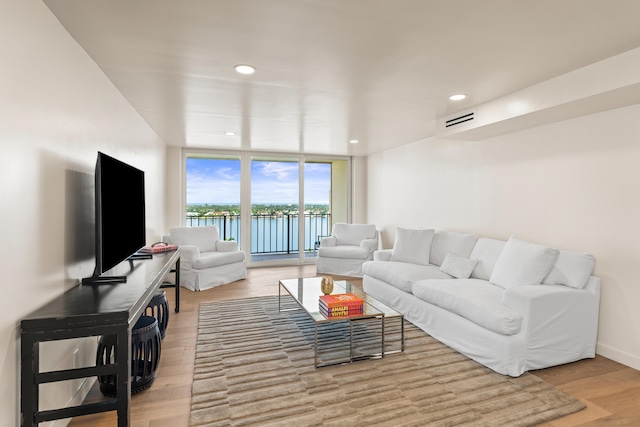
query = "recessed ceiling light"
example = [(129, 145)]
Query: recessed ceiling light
[(458, 97), (353, 141), (245, 69), (230, 133)]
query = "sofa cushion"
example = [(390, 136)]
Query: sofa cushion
[(445, 242), (458, 266), (486, 251), (215, 259), (476, 300), (344, 251), (522, 263), (402, 275), (353, 234), (204, 238), (571, 269), (412, 246)]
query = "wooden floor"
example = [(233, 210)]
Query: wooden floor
[(610, 390)]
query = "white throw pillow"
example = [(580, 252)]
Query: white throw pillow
[(412, 246), (571, 269), (522, 263), (450, 241), (458, 266), (486, 251)]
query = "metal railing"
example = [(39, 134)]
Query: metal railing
[(270, 233)]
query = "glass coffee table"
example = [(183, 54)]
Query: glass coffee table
[(380, 328)]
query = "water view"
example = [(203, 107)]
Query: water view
[(274, 228), (213, 193)]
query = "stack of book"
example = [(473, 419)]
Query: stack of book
[(340, 305)]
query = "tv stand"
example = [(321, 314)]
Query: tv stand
[(87, 311)]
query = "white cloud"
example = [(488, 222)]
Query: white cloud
[(281, 170)]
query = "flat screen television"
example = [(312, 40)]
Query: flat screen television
[(120, 228)]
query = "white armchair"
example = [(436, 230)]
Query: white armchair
[(348, 247), (205, 260)]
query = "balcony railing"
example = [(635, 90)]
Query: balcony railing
[(270, 234)]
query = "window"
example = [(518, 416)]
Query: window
[(285, 204)]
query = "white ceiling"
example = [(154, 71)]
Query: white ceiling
[(379, 71)]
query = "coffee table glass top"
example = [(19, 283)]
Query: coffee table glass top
[(306, 292)]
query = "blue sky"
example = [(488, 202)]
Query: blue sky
[(217, 181)]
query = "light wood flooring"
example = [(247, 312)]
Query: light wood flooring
[(610, 390)]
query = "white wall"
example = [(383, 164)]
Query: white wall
[(57, 109), (174, 188), (359, 190), (571, 185)]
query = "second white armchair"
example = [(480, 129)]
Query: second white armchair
[(348, 247)]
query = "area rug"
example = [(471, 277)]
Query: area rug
[(254, 366)]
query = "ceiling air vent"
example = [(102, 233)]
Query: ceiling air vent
[(459, 119)]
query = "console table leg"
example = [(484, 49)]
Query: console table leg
[(123, 382), (30, 365)]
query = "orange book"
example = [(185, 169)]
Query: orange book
[(340, 300), (341, 311)]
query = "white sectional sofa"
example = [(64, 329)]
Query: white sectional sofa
[(513, 305)]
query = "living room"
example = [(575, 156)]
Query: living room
[(567, 179)]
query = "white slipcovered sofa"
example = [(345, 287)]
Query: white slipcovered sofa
[(348, 247), (205, 260), (513, 305)]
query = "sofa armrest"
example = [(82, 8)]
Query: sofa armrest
[(382, 255), (326, 242), (189, 253), (556, 316), (226, 246), (369, 245)]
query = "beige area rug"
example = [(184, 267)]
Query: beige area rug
[(254, 366)]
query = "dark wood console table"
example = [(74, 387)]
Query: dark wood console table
[(86, 311)]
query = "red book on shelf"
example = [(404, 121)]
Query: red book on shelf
[(158, 248)]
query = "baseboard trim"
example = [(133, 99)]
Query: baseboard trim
[(77, 399), (619, 356)]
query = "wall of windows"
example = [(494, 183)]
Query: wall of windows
[(277, 207)]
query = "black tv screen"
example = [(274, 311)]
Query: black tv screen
[(120, 213)]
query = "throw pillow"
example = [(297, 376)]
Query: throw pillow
[(412, 246), (458, 266), (486, 251), (450, 241), (522, 263), (571, 269)]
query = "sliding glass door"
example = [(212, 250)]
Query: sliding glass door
[(317, 204), (213, 189), (277, 207), (275, 192)]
